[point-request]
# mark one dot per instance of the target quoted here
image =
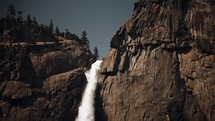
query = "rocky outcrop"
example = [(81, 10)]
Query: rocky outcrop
[(25, 32), (57, 99), (161, 64), (40, 78)]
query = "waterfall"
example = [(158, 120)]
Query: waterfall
[(86, 109)]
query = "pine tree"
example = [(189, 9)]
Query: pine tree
[(84, 38), (19, 15), (29, 19), (34, 20), (12, 11), (96, 53), (57, 31), (51, 26)]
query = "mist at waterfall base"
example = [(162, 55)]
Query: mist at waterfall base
[(86, 109)]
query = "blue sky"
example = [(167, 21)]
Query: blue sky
[(100, 18)]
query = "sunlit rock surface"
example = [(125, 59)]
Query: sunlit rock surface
[(161, 64)]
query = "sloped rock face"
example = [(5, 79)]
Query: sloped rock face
[(42, 81), (161, 64), (43, 85), (58, 99)]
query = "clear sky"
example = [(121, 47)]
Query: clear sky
[(100, 18)]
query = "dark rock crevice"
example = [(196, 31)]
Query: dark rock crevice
[(100, 114)]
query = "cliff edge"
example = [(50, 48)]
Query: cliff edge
[(41, 72), (161, 64)]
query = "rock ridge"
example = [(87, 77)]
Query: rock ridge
[(41, 72)]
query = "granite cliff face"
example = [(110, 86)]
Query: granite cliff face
[(161, 64), (41, 73)]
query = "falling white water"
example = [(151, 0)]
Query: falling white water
[(86, 110)]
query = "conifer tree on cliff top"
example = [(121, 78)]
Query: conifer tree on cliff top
[(96, 52), (29, 20), (19, 15), (12, 11), (57, 31), (34, 20), (51, 26), (85, 39)]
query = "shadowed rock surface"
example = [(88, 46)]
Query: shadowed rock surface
[(41, 74), (161, 64)]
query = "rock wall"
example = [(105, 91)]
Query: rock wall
[(42, 81), (161, 64)]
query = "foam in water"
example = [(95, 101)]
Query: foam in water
[(86, 110)]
